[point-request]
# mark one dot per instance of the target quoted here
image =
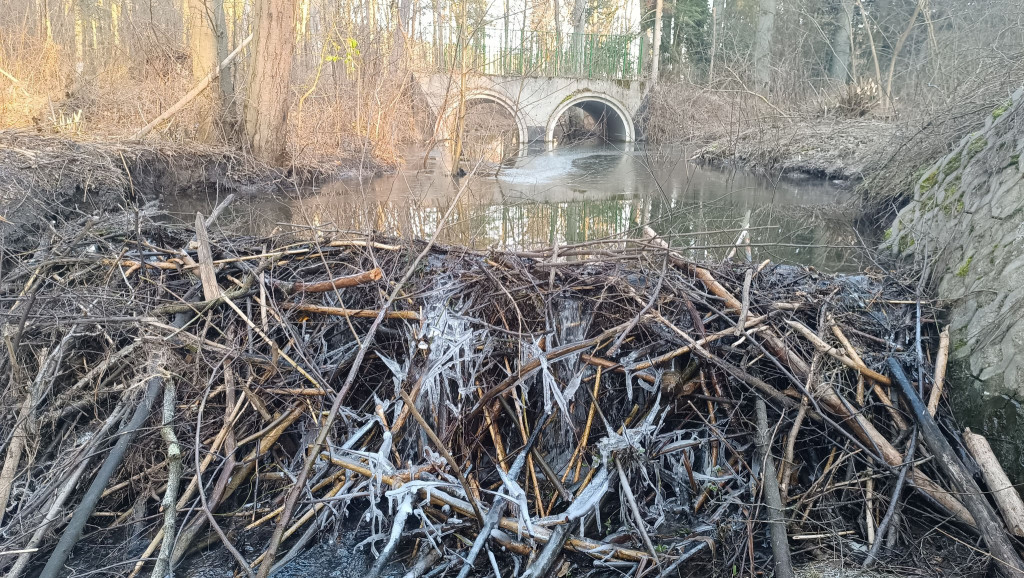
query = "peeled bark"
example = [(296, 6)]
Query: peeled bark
[(266, 104), (1007, 499)]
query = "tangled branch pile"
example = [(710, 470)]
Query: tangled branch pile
[(590, 407)]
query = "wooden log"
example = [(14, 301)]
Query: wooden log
[(941, 360), (331, 284), (992, 532), (342, 312), (1007, 499), (196, 91), (772, 499)]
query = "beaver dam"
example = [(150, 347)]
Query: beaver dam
[(603, 408)]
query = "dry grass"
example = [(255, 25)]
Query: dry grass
[(343, 120)]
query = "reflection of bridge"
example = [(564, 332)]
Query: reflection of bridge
[(537, 78)]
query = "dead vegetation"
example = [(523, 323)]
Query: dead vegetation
[(587, 409)]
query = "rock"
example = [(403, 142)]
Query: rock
[(967, 220)]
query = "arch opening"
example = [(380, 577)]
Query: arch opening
[(492, 129), (589, 117)]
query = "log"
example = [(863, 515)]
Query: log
[(196, 91), (941, 360), (1007, 499), (331, 284), (1001, 548), (772, 499)]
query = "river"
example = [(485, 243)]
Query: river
[(572, 194)]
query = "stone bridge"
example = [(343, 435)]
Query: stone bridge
[(537, 79)]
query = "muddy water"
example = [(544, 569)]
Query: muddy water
[(568, 195)]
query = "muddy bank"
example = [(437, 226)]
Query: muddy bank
[(44, 178), (838, 149)]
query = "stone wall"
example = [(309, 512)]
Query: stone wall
[(967, 222)]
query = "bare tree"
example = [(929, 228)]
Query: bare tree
[(205, 57), (839, 68), (763, 44), (265, 112)]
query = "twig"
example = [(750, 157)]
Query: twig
[(941, 359), (986, 521), (770, 490), (638, 519), (444, 452), (163, 560), (894, 501), (68, 539)]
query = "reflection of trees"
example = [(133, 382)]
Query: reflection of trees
[(704, 230)]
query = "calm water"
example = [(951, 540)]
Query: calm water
[(568, 195)]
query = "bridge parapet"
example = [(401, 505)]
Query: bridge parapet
[(536, 54)]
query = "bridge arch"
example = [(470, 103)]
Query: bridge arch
[(522, 130), (620, 122)]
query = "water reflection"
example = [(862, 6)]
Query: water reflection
[(574, 194)]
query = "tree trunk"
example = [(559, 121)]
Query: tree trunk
[(202, 42), (763, 44), (558, 21), (656, 60), (841, 43), (579, 25), (266, 106)]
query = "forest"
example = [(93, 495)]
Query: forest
[(426, 288)]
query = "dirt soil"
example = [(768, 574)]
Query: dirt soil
[(50, 178), (840, 149)]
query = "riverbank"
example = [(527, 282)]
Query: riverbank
[(881, 151), (834, 149), (44, 176)]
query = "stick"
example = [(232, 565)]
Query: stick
[(163, 561), (770, 490), (68, 539), (941, 359), (494, 514), (638, 518), (342, 312), (331, 284), (988, 524), (206, 273), (444, 452), (196, 90), (841, 356), (879, 392), (57, 507), (772, 342), (894, 501), (1007, 499)]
